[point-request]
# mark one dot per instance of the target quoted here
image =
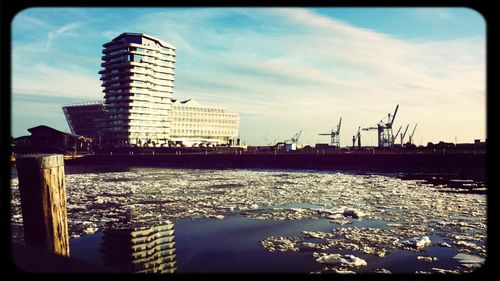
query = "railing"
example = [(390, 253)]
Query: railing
[(84, 103)]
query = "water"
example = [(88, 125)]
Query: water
[(211, 245), (253, 205)]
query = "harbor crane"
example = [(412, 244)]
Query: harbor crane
[(384, 130), (372, 128), (396, 135), (357, 137), (295, 138), (404, 134), (291, 144), (411, 136), (334, 135)]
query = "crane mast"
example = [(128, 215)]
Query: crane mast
[(334, 135), (384, 130), (396, 135), (358, 138), (292, 143), (411, 136), (404, 134)]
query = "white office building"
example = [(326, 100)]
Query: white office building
[(138, 81), (194, 124)]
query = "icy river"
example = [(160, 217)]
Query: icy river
[(282, 220)]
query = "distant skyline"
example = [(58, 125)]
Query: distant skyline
[(282, 69)]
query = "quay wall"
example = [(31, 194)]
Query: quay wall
[(474, 164)]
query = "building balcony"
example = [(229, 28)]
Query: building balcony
[(115, 63)]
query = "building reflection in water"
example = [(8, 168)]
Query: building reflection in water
[(145, 249)]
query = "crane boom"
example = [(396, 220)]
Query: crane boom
[(411, 136), (355, 137), (334, 135), (396, 135), (404, 134), (295, 138), (413, 130), (298, 136), (394, 116)]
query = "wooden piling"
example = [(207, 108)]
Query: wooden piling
[(42, 189)]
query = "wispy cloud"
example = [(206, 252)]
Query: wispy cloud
[(52, 35), (287, 69), (346, 68), (433, 14), (49, 81)]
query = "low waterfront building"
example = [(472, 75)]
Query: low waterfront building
[(196, 124), (87, 119), (44, 139), (192, 124)]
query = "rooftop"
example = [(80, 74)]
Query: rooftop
[(85, 103), (163, 43)]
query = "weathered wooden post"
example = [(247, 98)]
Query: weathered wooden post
[(43, 202)]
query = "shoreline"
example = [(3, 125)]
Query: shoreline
[(467, 165)]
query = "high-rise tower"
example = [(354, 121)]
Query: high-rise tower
[(138, 81)]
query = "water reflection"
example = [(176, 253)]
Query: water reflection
[(144, 249)]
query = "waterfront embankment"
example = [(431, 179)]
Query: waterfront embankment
[(469, 164)]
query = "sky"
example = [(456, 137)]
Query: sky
[(284, 70)]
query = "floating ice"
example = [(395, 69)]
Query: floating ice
[(427, 259), (468, 245), (342, 271), (373, 251), (470, 261), (340, 221), (310, 245), (280, 243), (341, 260), (417, 243), (443, 244), (444, 271), (219, 217), (409, 208), (90, 230), (316, 234), (382, 271)]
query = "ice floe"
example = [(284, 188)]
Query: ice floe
[(443, 244), (445, 271), (382, 271), (316, 234), (468, 245), (427, 259), (417, 243), (342, 270), (280, 243), (340, 260), (315, 246), (469, 261)]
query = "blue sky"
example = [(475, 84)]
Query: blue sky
[(283, 70)]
